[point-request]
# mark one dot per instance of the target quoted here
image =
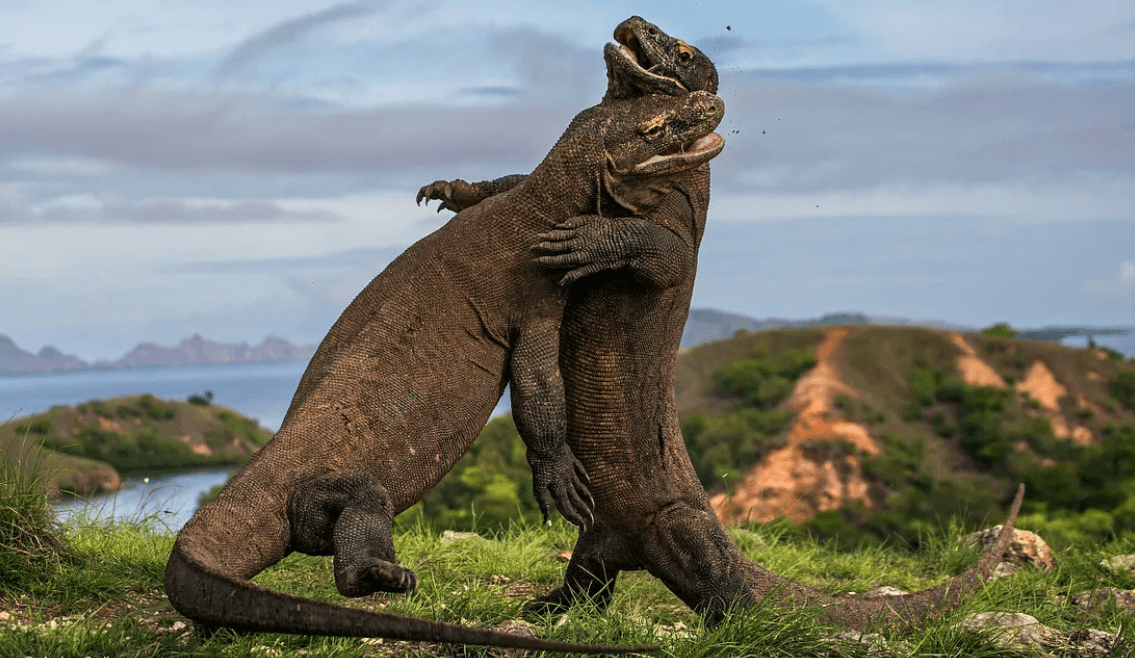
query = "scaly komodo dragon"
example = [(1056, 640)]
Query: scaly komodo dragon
[(619, 341), (407, 377)]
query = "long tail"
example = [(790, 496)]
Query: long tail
[(861, 613), (217, 600)]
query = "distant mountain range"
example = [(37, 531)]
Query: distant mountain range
[(194, 350), (704, 325)]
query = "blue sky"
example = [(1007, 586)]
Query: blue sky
[(243, 169)]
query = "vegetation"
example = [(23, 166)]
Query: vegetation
[(101, 594), (729, 443), (490, 488), (1000, 330), (79, 447)]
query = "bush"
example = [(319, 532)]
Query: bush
[(30, 544), (40, 426), (488, 488), (125, 452), (765, 379), (999, 330), (200, 400), (1122, 387), (726, 445)]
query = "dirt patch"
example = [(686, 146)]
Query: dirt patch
[(1095, 376), (1085, 403), (974, 371), (1062, 430), (1040, 384), (790, 483), (108, 425), (196, 444)]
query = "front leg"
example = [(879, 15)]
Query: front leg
[(540, 413), (659, 249), (457, 195)]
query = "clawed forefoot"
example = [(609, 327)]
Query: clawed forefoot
[(378, 577)]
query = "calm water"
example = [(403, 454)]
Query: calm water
[(168, 498), (257, 390)]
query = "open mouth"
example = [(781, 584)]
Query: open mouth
[(632, 50), (683, 155)]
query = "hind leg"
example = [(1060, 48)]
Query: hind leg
[(689, 551), (347, 514), (598, 557)]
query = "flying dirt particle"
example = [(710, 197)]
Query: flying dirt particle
[(727, 27)]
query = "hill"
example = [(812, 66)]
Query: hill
[(194, 350), (84, 449), (873, 427), (705, 325)]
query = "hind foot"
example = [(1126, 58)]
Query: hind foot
[(555, 602)]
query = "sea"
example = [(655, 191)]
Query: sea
[(261, 391)]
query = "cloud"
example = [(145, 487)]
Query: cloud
[(158, 211), (290, 32), (366, 258), (975, 127), (1123, 283), (977, 30)]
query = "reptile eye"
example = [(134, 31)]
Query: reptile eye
[(652, 131), (685, 57)]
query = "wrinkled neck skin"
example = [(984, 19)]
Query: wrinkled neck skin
[(566, 182), (577, 176)]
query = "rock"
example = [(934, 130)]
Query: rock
[(448, 536), (1026, 547), (885, 590), (516, 627), (1124, 599), (873, 642), (1091, 643), (513, 627), (1013, 630), (1009, 629), (1119, 564), (1003, 570)]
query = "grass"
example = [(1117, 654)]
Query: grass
[(92, 589)]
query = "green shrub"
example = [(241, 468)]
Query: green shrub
[(200, 400), (31, 547), (489, 489), (999, 330), (765, 379), (125, 452), (40, 426), (1122, 387)]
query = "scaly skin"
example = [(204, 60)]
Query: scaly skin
[(619, 340), (406, 379)]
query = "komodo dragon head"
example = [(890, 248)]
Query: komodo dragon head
[(649, 61), (649, 145)]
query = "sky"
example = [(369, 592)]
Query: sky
[(243, 169)]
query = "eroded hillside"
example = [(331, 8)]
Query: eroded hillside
[(899, 421)]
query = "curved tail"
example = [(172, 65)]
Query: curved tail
[(217, 600), (863, 612)]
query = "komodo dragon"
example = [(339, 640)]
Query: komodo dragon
[(619, 340), (407, 377)]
